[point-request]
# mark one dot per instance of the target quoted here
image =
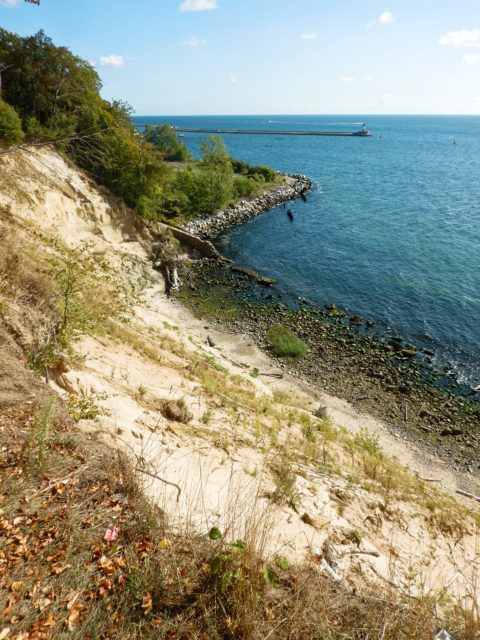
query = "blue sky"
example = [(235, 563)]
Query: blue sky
[(271, 56)]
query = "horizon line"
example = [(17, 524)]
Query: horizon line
[(336, 115)]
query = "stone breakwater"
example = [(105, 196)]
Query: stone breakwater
[(208, 226)]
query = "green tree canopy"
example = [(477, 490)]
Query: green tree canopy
[(10, 124), (57, 96), (164, 138), (218, 171)]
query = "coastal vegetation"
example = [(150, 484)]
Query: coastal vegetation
[(10, 125), (54, 96), (285, 343)]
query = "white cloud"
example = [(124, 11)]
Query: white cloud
[(198, 5), (348, 78), (194, 41), (9, 3), (112, 61), (308, 36), (461, 38), (470, 59), (368, 78), (384, 18), (233, 79)]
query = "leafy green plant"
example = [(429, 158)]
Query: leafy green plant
[(86, 407), (355, 536), (285, 484), (271, 576), (286, 344), (367, 441), (38, 434), (226, 565), (214, 364)]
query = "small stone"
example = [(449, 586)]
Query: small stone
[(321, 412)]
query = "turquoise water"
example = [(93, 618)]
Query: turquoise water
[(390, 232)]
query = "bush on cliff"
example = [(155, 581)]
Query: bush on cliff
[(10, 124)]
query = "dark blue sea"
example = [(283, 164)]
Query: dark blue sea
[(390, 232)]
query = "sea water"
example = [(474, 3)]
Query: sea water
[(391, 230)]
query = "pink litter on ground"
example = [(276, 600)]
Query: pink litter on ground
[(111, 535)]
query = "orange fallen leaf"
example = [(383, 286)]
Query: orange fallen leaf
[(107, 565), (105, 586), (147, 603), (73, 619), (57, 569), (50, 620)]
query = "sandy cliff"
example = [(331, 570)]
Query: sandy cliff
[(216, 443)]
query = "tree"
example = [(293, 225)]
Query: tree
[(165, 140), (10, 124), (218, 172)]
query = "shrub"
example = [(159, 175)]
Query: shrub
[(285, 343), (243, 186), (266, 172), (239, 166), (10, 124)]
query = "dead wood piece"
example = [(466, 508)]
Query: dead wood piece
[(468, 495), (153, 475), (271, 375)]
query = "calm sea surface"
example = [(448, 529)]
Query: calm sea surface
[(390, 232)]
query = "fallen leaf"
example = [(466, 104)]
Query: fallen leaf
[(105, 586), (73, 600), (57, 569), (73, 619), (50, 620), (107, 565), (165, 543), (42, 603), (16, 586), (147, 603)]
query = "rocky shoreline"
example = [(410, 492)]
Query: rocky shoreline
[(382, 379), (386, 379), (207, 226)]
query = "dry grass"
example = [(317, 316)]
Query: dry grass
[(60, 577), (176, 410)]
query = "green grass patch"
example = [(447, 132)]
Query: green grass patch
[(285, 343)]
